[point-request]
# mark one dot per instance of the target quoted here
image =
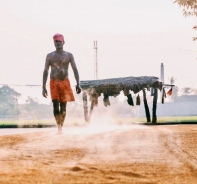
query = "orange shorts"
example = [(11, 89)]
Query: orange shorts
[(61, 90)]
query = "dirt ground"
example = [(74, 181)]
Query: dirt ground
[(101, 154)]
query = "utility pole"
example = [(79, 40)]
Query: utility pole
[(95, 61)]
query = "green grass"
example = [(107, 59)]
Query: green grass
[(180, 119), (173, 119), (22, 122), (80, 121), (37, 123), (26, 123)]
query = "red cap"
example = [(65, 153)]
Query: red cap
[(58, 37)]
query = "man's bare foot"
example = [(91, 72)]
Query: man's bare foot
[(59, 129)]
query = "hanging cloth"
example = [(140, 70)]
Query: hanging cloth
[(106, 99), (151, 91), (95, 99), (130, 100), (163, 95), (138, 100), (170, 92)]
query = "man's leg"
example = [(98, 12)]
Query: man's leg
[(56, 112), (62, 112)]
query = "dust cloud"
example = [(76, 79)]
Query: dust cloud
[(103, 139)]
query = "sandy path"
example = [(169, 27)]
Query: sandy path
[(14, 131), (101, 154)]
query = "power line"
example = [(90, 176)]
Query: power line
[(29, 85)]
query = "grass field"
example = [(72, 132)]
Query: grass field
[(177, 119), (78, 121)]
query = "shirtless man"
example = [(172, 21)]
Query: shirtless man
[(60, 88)]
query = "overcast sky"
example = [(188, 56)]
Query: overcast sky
[(134, 37)]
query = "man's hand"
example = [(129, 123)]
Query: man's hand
[(44, 92), (78, 89)]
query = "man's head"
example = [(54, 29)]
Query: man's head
[(58, 37), (58, 40)]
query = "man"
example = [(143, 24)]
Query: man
[(60, 88)]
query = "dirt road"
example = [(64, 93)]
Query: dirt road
[(101, 154)]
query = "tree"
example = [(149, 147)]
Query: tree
[(8, 101), (189, 9), (31, 103), (187, 91)]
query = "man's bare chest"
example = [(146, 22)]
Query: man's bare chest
[(59, 60)]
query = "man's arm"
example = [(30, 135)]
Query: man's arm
[(74, 67), (76, 73), (45, 76)]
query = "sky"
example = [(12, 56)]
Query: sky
[(134, 37)]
